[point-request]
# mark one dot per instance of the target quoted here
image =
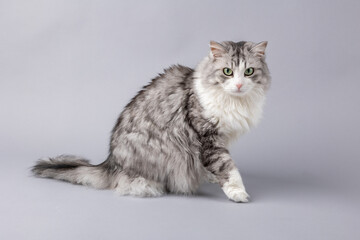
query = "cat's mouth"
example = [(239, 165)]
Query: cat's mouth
[(238, 92)]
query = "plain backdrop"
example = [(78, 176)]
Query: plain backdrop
[(67, 69)]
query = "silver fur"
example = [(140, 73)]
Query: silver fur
[(167, 139)]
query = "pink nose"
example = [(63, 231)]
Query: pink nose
[(239, 86)]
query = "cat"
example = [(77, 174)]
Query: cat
[(174, 134)]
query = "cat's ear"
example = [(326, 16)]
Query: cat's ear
[(217, 50), (259, 49)]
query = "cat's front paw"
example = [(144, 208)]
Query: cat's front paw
[(237, 194)]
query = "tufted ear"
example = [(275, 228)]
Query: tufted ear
[(259, 49), (217, 50)]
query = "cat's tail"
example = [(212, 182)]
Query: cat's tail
[(75, 170)]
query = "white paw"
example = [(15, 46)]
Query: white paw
[(237, 194)]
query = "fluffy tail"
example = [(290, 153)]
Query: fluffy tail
[(75, 170)]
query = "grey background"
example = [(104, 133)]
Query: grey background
[(67, 68)]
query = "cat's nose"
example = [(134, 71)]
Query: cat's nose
[(239, 86)]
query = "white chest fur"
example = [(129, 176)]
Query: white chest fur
[(235, 115)]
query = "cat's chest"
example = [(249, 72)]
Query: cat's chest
[(234, 117)]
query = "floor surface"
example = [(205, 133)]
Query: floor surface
[(281, 208)]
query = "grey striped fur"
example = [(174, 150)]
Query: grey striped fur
[(165, 141)]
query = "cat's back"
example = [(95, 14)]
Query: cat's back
[(165, 94), (159, 103), (172, 81)]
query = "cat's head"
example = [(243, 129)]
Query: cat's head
[(236, 68)]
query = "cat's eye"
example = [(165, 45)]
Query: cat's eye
[(228, 71), (249, 71)]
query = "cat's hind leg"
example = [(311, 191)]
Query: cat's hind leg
[(138, 186)]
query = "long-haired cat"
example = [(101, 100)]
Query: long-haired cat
[(174, 134)]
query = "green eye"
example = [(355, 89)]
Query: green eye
[(228, 71), (249, 71)]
